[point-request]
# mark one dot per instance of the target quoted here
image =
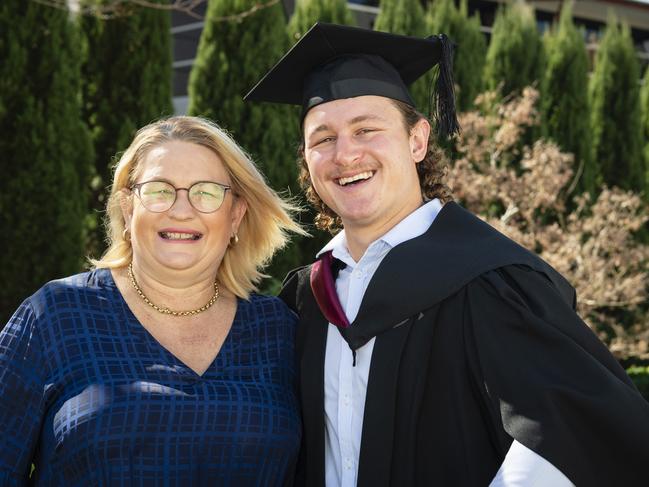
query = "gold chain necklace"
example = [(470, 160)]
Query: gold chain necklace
[(167, 311)]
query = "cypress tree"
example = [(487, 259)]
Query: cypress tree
[(308, 12), (644, 98), (406, 17), (616, 134), (564, 104), (471, 46), (126, 84), (514, 58), (232, 56), (46, 150)]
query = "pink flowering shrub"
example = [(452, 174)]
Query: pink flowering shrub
[(526, 191)]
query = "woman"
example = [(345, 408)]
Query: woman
[(160, 367)]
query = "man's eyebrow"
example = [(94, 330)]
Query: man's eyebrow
[(320, 128), (364, 118), (361, 118)]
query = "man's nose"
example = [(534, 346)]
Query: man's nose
[(348, 151)]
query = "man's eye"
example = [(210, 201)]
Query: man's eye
[(324, 140), (365, 131)]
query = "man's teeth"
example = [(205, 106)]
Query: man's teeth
[(180, 236), (357, 177)]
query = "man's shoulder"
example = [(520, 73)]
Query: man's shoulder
[(294, 284), (458, 248), (299, 274)]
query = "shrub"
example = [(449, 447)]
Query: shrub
[(406, 17), (46, 150), (523, 190), (126, 85), (471, 46), (515, 54), (640, 377), (616, 133), (564, 103)]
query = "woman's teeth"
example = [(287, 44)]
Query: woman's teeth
[(180, 236), (358, 177)]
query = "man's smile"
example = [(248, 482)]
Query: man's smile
[(363, 176)]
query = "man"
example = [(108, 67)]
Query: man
[(433, 350)]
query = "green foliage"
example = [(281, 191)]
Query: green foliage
[(46, 150), (564, 105), (126, 85), (644, 100), (515, 54), (308, 12), (471, 47), (640, 377), (232, 56), (616, 135), (406, 17)]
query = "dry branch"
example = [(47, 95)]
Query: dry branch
[(121, 8)]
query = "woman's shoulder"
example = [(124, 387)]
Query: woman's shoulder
[(267, 307), (59, 306), (73, 291)]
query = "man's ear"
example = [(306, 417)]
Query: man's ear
[(419, 140), (126, 204)]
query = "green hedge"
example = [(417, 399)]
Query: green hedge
[(640, 376)]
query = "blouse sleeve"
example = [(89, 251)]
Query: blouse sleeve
[(22, 381)]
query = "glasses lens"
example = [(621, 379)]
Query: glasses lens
[(206, 197), (157, 196)]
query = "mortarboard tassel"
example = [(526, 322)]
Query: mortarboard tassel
[(444, 93)]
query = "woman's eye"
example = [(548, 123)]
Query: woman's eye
[(158, 192)]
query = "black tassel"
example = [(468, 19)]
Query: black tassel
[(443, 97), (353, 358)]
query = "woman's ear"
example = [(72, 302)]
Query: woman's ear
[(419, 135), (239, 209), (126, 204)]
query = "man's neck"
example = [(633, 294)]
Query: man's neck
[(360, 237)]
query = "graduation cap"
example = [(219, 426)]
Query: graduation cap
[(331, 62)]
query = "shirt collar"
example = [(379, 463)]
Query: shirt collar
[(414, 225)]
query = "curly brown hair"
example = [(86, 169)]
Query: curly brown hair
[(431, 170)]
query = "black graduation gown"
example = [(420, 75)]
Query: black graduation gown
[(477, 344)]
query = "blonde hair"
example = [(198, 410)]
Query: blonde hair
[(265, 224)]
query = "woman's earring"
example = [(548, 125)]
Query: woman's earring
[(235, 237), (126, 235)]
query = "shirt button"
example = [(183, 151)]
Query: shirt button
[(348, 463), (358, 273)]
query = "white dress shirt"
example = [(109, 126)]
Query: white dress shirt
[(346, 386)]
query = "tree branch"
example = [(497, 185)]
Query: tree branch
[(123, 8)]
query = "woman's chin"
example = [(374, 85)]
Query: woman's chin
[(176, 262)]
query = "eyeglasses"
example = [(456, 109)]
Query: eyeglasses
[(159, 196)]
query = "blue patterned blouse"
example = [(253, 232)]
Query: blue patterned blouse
[(92, 399)]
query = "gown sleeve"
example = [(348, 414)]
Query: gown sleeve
[(554, 385), (22, 380)]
